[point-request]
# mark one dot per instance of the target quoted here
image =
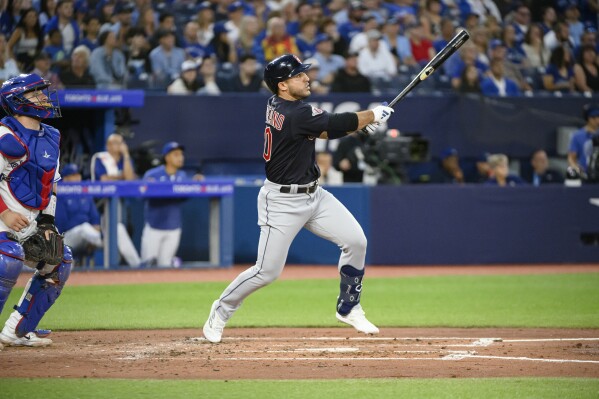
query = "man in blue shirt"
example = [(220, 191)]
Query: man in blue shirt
[(581, 143), (77, 217), (162, 231)]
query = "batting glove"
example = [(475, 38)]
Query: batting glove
[(372, 127), (382, 113)]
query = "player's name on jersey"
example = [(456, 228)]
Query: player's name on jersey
[(140, 188)]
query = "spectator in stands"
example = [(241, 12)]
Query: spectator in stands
[(354, 21), (55, 50), (472, 21), (398, 44), (482, 168), (77, 75), (187, 82), (205, 20), (248, 79), (105, 11), (559, 37), (480, 38), (521, 23), (534, 48), (208, 77), (467, 57), (107, 63), (581, 142), (223, 50), (8, 66), (349, 158), (234, 16), (329, 27), (139, 66), (147, 22), (26, 40), (512, 71), (588, 38), (42, 64), (64, 21), (496, 84), (470, 80), (499, 172), (77, 217), (575, 26), (91, 32), (262, 10), (328, 62), (450, 170), (349, 79), (482, 8), (494, 28), (422, 48), (559, 75), (115, 164), (121, 25), (586, 71), (377, 63), (360, 40), (548, 19), (191, 45), (328, 174), (445, 35), (248, 42), (430, 19), (162, 230), (166, 23), (277, 41), (541, 173), (306, 38), (47, 11), (166, 60), (514, 52)]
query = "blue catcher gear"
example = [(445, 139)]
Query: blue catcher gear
[(13, 97), (40, 294), (282, 68), (11, 263)]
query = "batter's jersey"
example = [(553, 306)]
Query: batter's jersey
[(291, 129), (164, 213)]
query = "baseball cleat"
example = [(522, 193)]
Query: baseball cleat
[(30, 339), (357, 319), (214, 326)]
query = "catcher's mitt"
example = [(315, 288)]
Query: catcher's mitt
[(44, 246)]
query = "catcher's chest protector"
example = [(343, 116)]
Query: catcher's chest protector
[(31, 181)]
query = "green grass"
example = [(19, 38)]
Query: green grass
[(488, 388), (566, 300)]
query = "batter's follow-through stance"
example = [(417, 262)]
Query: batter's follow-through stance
[(291, 198)]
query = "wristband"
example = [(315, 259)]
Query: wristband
[(51, 208)]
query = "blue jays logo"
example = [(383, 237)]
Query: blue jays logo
[(143, 189)]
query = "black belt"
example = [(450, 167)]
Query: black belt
[(300, 190)]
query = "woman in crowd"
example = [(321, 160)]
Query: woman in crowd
[(26, 40), (559, 75), (534, 48), (586, 71)]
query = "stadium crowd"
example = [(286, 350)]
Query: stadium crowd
[(209, 47)]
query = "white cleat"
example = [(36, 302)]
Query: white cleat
[(30, 339), (214, 326), (357, 319)]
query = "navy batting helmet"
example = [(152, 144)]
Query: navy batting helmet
[(281, 69), (12, 97)]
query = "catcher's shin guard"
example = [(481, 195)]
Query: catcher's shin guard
[(350, 289), (41, 293), (11, 263)]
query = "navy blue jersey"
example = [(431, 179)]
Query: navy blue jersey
[(289, 152), (164, 213)]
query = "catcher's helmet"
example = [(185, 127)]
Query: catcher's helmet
[(12, 97), (281, 69)]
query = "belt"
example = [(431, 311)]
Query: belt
[(300, 190)]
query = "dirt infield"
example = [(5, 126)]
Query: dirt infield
[(300, 353)]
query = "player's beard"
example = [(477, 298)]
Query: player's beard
[(301, 93)]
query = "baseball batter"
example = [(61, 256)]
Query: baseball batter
[(291, 197)]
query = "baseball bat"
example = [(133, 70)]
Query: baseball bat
[(454, 44)]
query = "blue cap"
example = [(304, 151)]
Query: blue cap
[(171, 146), (236, 5), (205, 5), (448, 152), (323, 37), (219, 28), (496, 43), (69, 169)]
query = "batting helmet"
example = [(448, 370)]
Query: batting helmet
[(281, 69), (12, 97)]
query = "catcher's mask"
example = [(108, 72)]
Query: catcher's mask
[(15, 101)]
